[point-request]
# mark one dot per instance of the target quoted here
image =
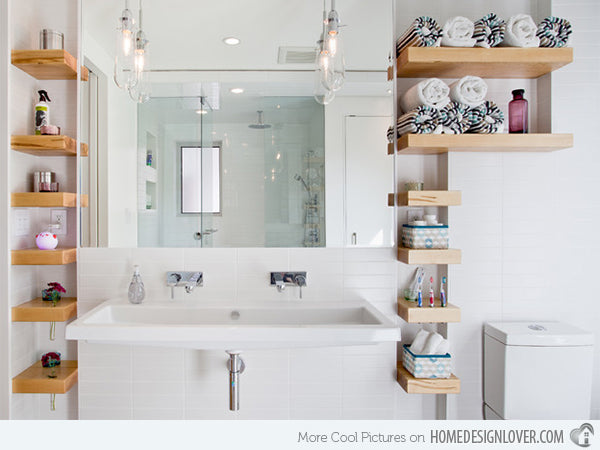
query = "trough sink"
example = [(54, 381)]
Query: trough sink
[(234, 326)]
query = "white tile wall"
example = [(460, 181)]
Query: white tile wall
[(328, 383)]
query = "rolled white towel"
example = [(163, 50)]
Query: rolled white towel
[(458, 32), (443, 348), (430, 92), (469, 90), (432, 343), (419, 341), (521, 31)]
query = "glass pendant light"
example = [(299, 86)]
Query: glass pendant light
[(333, 46), (324, 68), (140, 90), (124, 61)]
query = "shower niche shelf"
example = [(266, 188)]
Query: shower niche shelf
[(429, 256), (445, 62), (411, 313), (38, 310), (414, 385), (45, 145), (36, 380), (425, 198)]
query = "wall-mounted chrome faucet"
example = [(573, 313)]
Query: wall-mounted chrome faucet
[(187, 279), (281, 279)]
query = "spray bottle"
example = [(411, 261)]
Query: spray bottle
[(42, 112)]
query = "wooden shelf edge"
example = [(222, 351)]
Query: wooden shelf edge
[(425, 198), (54, 64), (35, 257), (35, 380), (37, 310), (429, 256), (411, 313), (497, 62), (47, 145), (47, 199), (426, 144), (414, 385)]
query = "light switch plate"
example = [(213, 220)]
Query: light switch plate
[(59, 216), (21, 222)]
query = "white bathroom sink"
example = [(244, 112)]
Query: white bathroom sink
[(234, 327)]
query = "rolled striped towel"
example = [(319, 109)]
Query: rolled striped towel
[(486, 119), (421, 120), (489, 31), (454, 118), (430, 92), (390, 134), (423, 32), (469, 90), (554, 32), (458, 32), (520, 32)]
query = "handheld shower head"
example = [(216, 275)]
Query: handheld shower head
[(299, 178)]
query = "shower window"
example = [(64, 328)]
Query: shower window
[(200, 180)]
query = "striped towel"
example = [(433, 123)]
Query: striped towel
[(421, 120), (489, 31), (390, 134), (487, 118), (454, 118), (423, 32), (554, 32)]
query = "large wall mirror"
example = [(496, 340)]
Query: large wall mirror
[(229, 147)]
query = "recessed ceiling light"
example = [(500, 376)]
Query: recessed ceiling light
[(236, 90), (201, 111), (231, 40)]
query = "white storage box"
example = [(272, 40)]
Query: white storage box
[(427, 366), (425, 236)]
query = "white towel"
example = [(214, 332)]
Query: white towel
[(419, 341), (458, 32), (430, 92), (432, 343), (469, 90), (521, 31), (443, 348)]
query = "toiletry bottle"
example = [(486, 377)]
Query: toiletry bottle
[(518, 112), (42, 112), (136, 287)]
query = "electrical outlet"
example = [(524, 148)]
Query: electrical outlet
[(59, 216), (21, 222)]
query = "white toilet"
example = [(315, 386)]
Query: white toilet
[(540, 370)]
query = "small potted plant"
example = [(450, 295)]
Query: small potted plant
[(53, 293), (51, 360)]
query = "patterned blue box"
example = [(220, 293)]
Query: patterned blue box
[(427, 366), (425, 236)]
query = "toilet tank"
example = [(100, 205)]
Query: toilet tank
[(537, 370)]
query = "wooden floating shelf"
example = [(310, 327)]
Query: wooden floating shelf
[(38, 310), (390, 73), (425, 198), (444, 62), (431, 144), (35, 380), (48, 64), (414, 385), (429, 256), (35, 257), (47, 199), (45, 145), (411, 313)]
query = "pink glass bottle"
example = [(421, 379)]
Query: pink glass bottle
[(518, 113)]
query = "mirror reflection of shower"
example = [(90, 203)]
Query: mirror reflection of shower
[(299, 178)]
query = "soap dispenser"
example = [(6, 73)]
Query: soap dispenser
[(136, 287)]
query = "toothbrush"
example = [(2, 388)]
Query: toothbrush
[(443, 299), (431, 300), (420, 293)]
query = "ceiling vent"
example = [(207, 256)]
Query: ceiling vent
[(297, 55)]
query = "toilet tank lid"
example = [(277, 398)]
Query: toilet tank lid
[(542, 334)]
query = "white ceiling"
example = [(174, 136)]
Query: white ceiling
[(187, 34)]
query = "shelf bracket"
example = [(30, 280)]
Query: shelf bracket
[(52, 336), (52, 402)]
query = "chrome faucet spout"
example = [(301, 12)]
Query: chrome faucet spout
[(195, 280)]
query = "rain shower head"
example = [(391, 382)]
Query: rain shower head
[(260, 125)]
